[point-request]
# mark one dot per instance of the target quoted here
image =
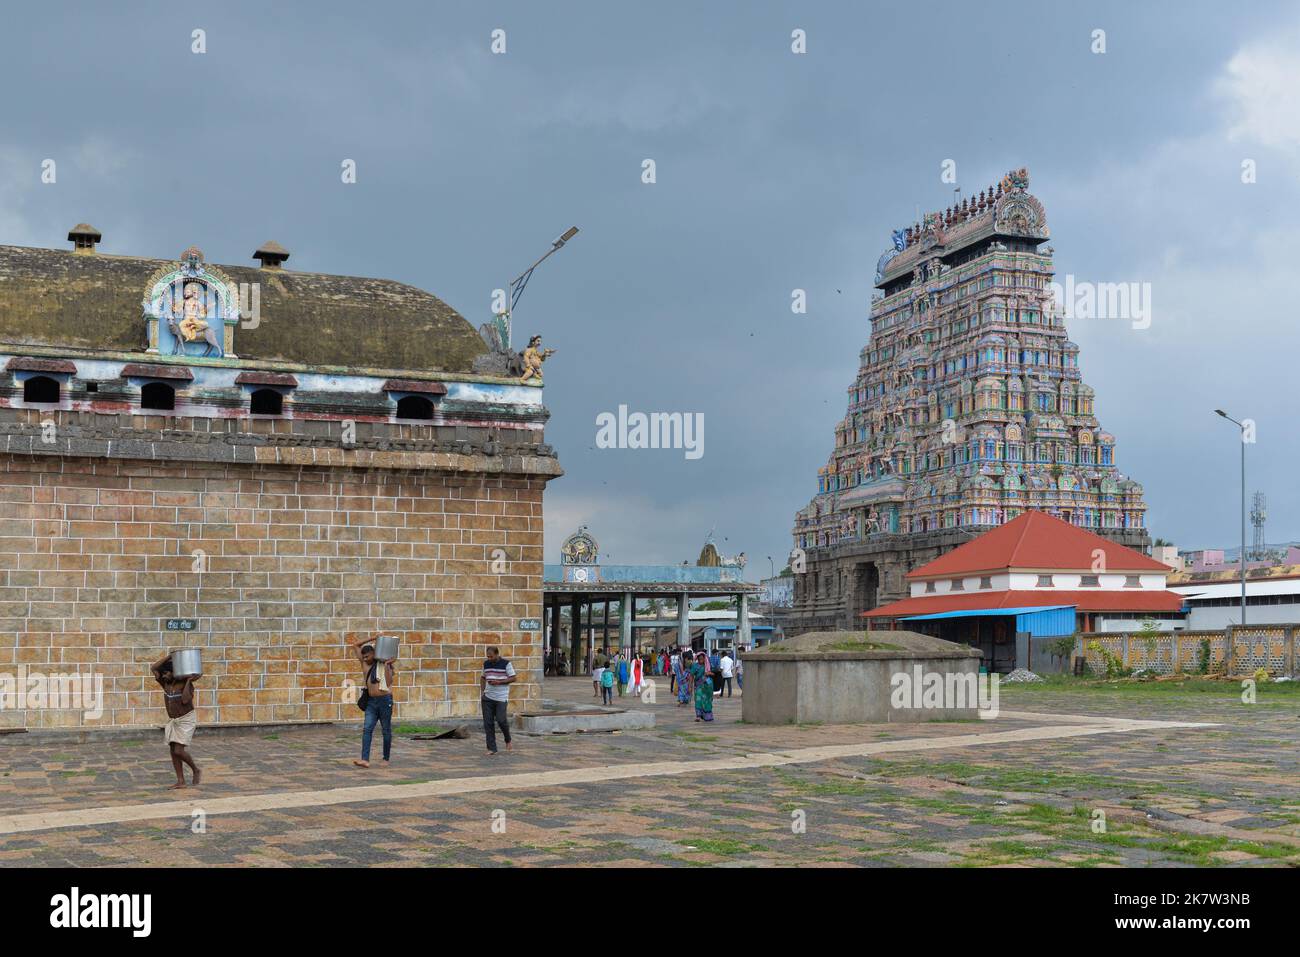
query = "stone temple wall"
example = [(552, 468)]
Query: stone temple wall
[(282, 558)]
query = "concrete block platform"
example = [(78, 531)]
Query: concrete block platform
[(583, 720)]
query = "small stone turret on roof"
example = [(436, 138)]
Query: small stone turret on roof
[(271, 254), (83, 237)]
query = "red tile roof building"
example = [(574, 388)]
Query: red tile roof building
[(1037, 561)]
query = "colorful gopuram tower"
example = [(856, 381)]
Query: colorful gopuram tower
[(968, 408)]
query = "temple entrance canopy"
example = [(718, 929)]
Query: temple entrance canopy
[(632, 608)]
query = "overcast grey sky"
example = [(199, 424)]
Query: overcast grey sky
[(775, 171)]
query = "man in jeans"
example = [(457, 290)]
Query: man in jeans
[(498, 675), (379, 707)]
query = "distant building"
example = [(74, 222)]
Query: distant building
[(1167, 555), (1036, 575), (714, 629), (653, 601), (1200, 558), (1214, 597), (777, 592), (1209, 560)]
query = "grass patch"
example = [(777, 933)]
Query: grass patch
[(722, 847), (695, 738), (1006, 852), (824, 788), (860, 645), (418, 729), (1190, 685), (1050, 816), (1019, 779)]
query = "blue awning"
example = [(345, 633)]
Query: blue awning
[(986, 612)]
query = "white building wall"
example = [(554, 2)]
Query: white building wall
[(1216, 617), (970, 583), (1028, 581), (1103, 624)]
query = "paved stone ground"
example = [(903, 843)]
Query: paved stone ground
[(1222, 795)]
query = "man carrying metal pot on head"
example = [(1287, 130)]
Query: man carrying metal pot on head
[(376, 657), (178, 698)]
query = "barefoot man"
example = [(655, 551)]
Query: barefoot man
[(379, 704), (178, 696)]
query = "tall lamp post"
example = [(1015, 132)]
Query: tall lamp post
[(1242, 429), (519, 282)]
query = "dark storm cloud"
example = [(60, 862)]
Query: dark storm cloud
[(775, 172)]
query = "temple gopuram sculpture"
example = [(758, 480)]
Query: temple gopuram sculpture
[(968, 408)]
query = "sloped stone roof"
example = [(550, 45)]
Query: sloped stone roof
[(93, 302)]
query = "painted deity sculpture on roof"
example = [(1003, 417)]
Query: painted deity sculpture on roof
[(191, 309)]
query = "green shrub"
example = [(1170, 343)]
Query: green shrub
[(1061, 647), (1203, 657), (1114, 666)]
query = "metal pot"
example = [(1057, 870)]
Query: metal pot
[(187, 663), (386, 647)]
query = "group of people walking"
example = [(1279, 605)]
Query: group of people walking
[(698, 677), (618, 671), (693, 675), (377, 699)]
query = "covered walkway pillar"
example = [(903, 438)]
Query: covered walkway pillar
[(742, 622), (556, 640), (625, 622), (575, 629), (684, 620)]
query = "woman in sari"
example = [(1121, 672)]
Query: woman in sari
[(703, 681), (679, 674)]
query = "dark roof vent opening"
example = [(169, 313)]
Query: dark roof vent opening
[(158, 395), (414, 407), (266, 402), (271, 255), (83, 237), (40, 388)]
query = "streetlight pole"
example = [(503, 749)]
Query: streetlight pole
[(1242, 429), (519, 282)]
